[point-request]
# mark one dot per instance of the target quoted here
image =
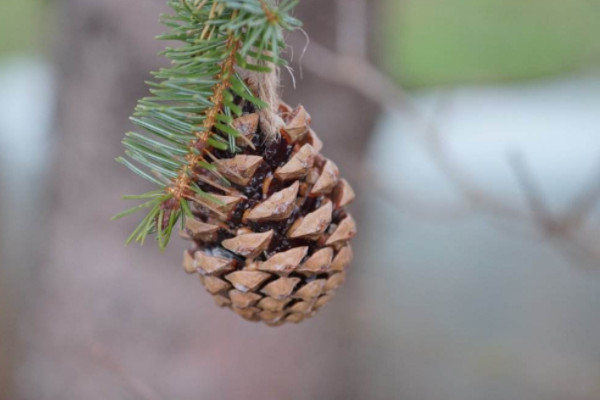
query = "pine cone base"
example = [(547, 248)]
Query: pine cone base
[(273, 244)]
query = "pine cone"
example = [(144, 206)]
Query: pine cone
[(272, 245)]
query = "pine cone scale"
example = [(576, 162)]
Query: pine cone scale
[(274, 247)]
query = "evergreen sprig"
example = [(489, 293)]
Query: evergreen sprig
[(191, 107)]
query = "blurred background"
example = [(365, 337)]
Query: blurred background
[(470, 130)]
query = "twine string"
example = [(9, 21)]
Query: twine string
[(266, 86)]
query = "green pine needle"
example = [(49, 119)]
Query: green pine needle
[(175, 113)]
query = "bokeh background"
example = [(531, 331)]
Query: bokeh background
[(470, 130)]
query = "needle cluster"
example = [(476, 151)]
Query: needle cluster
[(193, 103)]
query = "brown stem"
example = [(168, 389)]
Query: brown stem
[(181, 185), (271, 16)]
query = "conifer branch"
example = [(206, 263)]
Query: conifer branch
[(194, 102), (181, 185)]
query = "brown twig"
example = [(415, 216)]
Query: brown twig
[(271, 16), (181, 185), (582, 205), (474, 194), (367, 80), (358, 74), (568, 244), (533, 194)]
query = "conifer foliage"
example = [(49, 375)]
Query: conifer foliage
[(194, 102), (263, 208)]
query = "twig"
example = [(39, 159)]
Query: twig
[(367, 80), (358, 74), (568, 244), (533, 195), (582, 205), (475, 195)]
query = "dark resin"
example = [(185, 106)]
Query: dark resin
[(275, 154)]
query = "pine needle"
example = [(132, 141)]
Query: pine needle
[(193, 103)]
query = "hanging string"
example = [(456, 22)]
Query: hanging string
[(266, 86)]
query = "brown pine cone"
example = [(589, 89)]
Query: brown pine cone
[(273, 244)]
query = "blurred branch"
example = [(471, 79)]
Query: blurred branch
[(533, 195), (361, 75), (583, 205), (476, 196), (553, 228), (370, 82), (358, 74)]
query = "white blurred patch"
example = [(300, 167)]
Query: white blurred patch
[(555, 125), (26, 106)]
